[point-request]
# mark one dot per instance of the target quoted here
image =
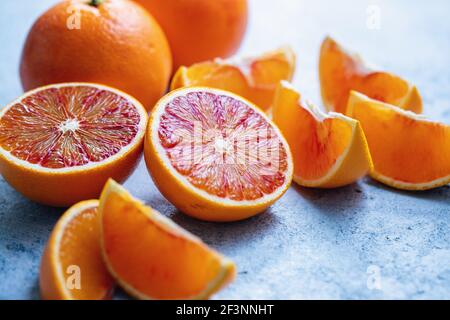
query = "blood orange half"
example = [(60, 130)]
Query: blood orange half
[(59, 144), (215, 155)]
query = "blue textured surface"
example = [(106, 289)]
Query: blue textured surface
[(311, 244)]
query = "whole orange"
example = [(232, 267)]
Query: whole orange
[(200, 30), (112, 42)]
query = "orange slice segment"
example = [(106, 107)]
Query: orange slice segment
[(152, 257), (215, 155), (254, 78), (72, 266), (409, 151), (329, 150), (341, 71), (59, 144)]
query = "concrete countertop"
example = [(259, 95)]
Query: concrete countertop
[(312, 243)]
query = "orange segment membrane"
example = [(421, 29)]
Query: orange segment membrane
[(222, 146), (80, 248), (69, 126)]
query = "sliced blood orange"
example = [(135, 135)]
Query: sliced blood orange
[(72, 266), (341, 71), (59, 144), (329, 150), (215, 155), (409, 151), (153, 258), (254, 78)]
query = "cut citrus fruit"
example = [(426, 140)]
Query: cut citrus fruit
[(72, 266), (341, 71), (254, 78), (215, 155), (329, 150), (59, 144), (408, 151), (152, 257)]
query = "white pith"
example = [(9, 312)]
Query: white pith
[(69, 125), (408, 185), (155, 121), (72, 124)]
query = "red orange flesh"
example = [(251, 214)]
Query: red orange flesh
[(69, 126), (216, 156), (59, 144)]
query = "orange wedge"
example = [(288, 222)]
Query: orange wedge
[(341, 71), (72, 266), (153, 258), (329, 150), (254, 78), (409, 151), (216, 156)]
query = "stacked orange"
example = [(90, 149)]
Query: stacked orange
[(112, 42), (200, 30)]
